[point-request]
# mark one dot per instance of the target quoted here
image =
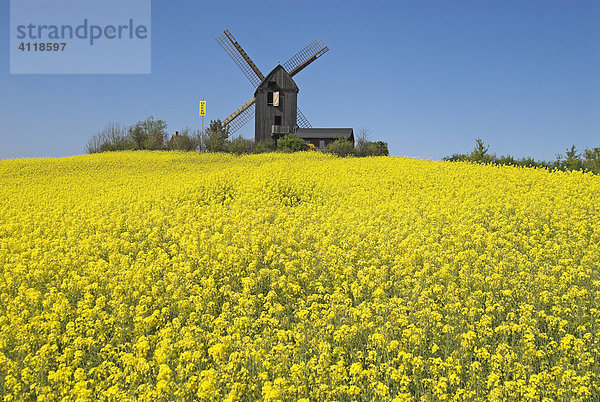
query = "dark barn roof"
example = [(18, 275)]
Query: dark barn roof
[(325, 133)]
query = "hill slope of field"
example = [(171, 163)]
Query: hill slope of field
[(296, 276)]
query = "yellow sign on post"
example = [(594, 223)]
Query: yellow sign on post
[(202, 108)]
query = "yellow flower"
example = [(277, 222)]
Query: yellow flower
[(165, 275)]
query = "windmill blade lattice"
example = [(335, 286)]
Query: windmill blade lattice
[(248, 110), (242, 118), (240, 57), (302, 121), (304, 57)]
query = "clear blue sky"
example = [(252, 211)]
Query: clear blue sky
[(426, 76)]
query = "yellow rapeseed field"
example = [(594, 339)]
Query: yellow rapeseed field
[(143, 275)]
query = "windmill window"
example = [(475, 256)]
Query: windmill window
[(321, 144), (278, 120), (270, 98), (276, 98)]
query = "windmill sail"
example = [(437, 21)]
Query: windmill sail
[(302, 121), (293, 66), (246, 112), (240, 117), (304, 57), (240, 57)]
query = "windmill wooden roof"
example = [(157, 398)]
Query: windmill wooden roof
[(281, 77), (325, 133)]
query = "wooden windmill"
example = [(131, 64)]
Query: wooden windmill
[(275, 99)]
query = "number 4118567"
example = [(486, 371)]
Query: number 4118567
[(42, 47)]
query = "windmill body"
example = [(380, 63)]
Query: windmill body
[(275, 101)]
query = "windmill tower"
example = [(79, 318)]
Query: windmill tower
[(275, 99)]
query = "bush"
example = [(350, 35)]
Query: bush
[(262, 147), (181, 142), (291, 143), (240, 145), (378, 148), (340, 147), (572, 160), (364, 147), (94, 144), (507, 160), (119, 145), (112, 138), (456, 158), (362, 142)]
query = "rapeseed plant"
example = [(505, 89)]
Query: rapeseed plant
[(296, 277)]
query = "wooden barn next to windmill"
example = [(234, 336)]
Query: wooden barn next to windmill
[(321, 137), (275, 101)]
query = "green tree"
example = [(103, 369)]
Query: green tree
[(149, 134), (480, 152), (138, 136), (592, 160), (214, 138), (573, 159), (291, 143), (377, 148), (340, 147)]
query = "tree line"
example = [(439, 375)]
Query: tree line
[(151, 134), (572, 159)]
